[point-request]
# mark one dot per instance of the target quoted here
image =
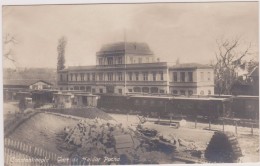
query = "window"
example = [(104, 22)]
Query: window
[(120, 78), (161, 91), (182, 76), (100, 61), (130, 90), (100, 90), (130, 76), (120, 91), (76, 75), (110, 76), (93, 90), (110, 60), (175, 76), (93, 76), (190, 77), (182, 92), (88, 76), (154, 76), (71, 77), (67, 77), (136, 76), (201, 76), (81, 76), (61, 77), (175, 92), (100, 76), (202, 92), (161, 74), (139, 60), (209, 76), (119, 60), (131, 60), (209, 92), (190, 92), (145, 76)]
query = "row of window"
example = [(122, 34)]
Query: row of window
[(111, 76), (189, 92), (119, 60), (183, 76)]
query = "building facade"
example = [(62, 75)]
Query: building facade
[(129, 67)]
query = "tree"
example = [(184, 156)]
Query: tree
[(61, 53), (8, 42), (229, 58)]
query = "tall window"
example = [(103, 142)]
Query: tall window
[(110, 60), (136, 76), (131, 60), (71, 77), (100, 76), (76, 75), (119, 60), (209, 75), (82, 76), (190, 77), (61, 77), (130, 76), (120, 78), (145, 76), (154, 76), (93, 76), (88, 76), (175, 77), (110, 76), (182, 76), (161, 75), (139, 60), (100, 61), (201, 76)]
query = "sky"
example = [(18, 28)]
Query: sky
[(187, 31)]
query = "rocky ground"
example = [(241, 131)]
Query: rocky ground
[(201, 136)]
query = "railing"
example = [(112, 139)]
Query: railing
[(20, 153)]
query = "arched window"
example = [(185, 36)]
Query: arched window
[(202, 92), (137, 89), (154, 90), (175, 92), (145, 89), (190, 92)]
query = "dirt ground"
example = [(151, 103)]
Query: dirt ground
[(201, 135)]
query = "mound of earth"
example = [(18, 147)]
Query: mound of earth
[(42, 130)]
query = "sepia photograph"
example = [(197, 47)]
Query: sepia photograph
[(130, 83)]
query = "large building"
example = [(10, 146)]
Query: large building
[(127, 67)]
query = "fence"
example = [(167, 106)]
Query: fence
[(17, 153), (20, 153)]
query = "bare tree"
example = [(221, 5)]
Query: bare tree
[(61, 53), (8, 42), (229, 58)]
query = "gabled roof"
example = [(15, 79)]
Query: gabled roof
[(24, 82), (254, 72), (190, 66), (126, 47)]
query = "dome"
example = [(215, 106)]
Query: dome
[(125, 47)]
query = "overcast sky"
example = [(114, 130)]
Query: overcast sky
[(187, 31)]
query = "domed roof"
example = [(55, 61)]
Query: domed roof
[(125, 47)]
